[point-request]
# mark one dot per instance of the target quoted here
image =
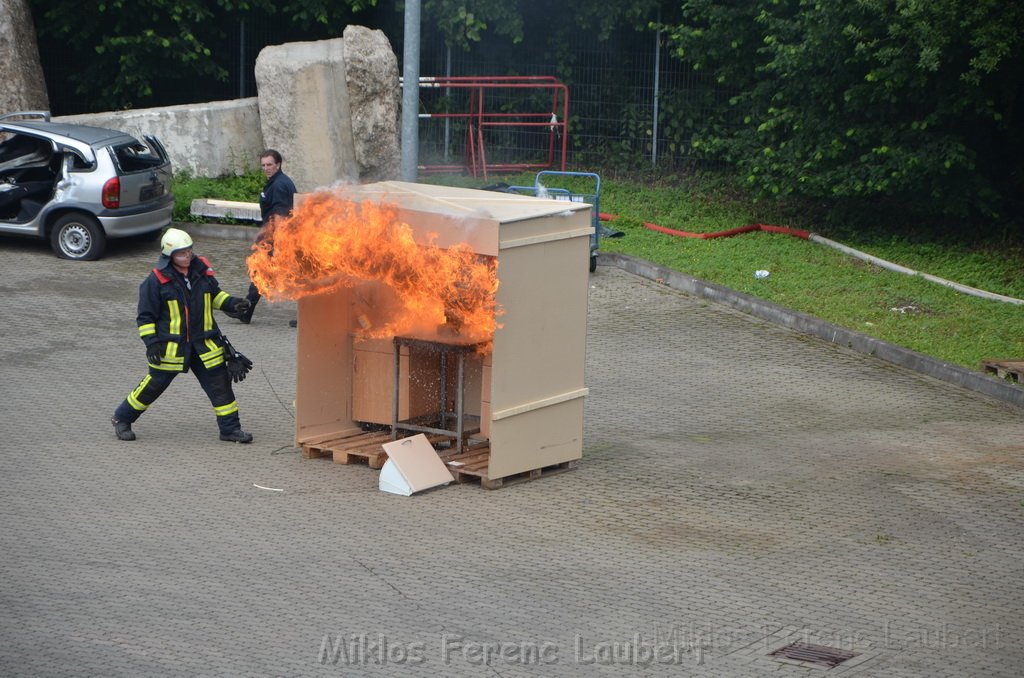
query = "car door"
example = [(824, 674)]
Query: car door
[(29, 168)]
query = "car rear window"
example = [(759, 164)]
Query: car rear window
[(136, 157)]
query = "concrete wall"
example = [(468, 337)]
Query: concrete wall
[(212, 139)]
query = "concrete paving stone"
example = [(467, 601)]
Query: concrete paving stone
[(741, 484)]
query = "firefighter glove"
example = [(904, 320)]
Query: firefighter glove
[(238, 366), (154, 352), (241, 307)]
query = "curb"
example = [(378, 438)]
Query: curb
[(801, 322)]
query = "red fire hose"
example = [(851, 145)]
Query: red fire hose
[(719, 234)]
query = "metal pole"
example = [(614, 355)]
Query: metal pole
[(657, 74), (241, 60), (410, 91), (396, 389), (448, 94), (460, 404)]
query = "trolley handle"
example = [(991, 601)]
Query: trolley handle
[(554, 173)]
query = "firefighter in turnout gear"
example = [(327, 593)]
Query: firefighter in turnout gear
[(176, 304)]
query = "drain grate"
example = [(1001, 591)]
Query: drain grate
[(821, 655)]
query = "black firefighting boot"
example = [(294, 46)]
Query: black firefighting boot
[(123, 430), (237, 436)]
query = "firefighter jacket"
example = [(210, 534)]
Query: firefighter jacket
[(176, 311)]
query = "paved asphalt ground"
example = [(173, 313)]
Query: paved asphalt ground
[(743, 487)]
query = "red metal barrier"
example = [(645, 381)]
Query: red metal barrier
[(479, 119)]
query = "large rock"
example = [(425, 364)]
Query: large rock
[(22, 86), (374, 96), (333, 121), (304, 111)]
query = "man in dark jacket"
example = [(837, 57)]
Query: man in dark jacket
[(175, 318), (276, 200)]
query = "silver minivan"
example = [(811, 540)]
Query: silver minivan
[(78, 185)]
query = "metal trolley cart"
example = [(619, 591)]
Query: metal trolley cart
[(544, 187)]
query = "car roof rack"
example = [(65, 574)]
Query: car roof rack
[(45, 115)]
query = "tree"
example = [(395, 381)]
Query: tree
[(130, 53), (464, 22), (911, 99)]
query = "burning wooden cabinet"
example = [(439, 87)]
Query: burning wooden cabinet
[(523, 383)]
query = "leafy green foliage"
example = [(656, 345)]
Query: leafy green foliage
[(131, 47), (463, 22), (868, 98)]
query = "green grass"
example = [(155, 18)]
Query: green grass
[(805, 276), (825, 283)]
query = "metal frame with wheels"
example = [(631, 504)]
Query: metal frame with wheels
[(541, 190)]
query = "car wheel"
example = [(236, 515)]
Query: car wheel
[(78, 236)]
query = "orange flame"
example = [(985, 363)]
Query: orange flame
[(401, 287)]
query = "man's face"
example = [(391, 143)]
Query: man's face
[(182, 258), (268, 165)]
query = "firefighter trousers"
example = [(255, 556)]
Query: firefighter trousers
[(215, 382)]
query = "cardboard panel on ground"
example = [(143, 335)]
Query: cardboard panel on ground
[(528, 392)]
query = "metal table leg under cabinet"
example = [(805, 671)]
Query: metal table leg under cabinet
[(444, 417)]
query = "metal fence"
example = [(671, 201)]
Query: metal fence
[(628, 109)]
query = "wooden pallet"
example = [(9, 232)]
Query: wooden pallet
[(473, 465), (1011, 370), (357, 447)]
